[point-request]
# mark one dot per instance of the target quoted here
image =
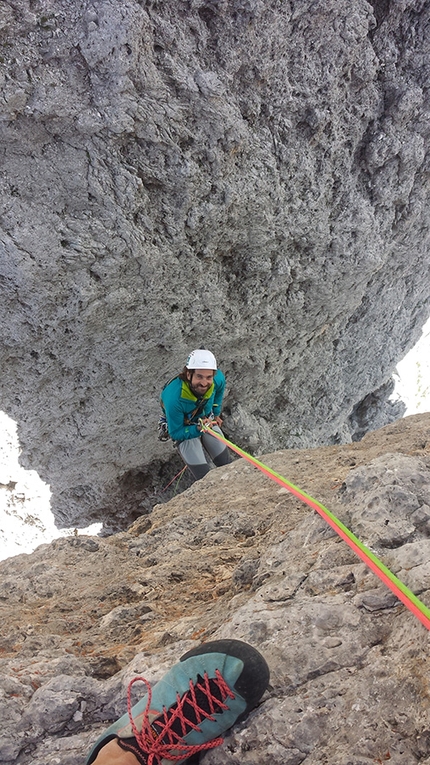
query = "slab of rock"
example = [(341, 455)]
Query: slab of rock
[(237, 556)]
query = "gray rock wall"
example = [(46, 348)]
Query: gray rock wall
[(250, 176)]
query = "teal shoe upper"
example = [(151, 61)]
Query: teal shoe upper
[(177, 681)]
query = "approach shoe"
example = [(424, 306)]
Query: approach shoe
[(209, 690)]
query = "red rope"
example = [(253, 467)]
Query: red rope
[(178, 475)]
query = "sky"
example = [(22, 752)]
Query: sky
[(413, 376), (26, 520)]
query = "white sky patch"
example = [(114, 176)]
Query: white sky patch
[(413, 376), (26, 520)]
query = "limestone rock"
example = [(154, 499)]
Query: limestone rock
[(237, 556), (250, 176)]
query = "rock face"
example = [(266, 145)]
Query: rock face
[(250, 176), (237, 556)]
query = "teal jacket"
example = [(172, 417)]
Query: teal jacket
[(179, 402)]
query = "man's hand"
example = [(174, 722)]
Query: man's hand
[(205, 422), (209, 422)]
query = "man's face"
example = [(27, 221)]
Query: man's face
[(200, 380)]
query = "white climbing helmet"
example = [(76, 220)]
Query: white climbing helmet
[(201, 359)]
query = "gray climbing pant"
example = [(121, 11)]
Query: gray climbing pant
[(193, 450)]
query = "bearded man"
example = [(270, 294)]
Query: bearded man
[(196, 395)]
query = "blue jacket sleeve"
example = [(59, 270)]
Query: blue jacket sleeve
[(174, 412), (175, 423)]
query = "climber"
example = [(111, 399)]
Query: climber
[(196, 394), (201, 697)]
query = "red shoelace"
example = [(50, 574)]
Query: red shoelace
[(163, 736)]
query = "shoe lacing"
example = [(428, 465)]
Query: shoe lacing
[(163, 737)]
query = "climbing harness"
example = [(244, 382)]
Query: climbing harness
[(191, 419), (195, 414), (393, 583)]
